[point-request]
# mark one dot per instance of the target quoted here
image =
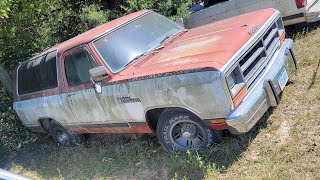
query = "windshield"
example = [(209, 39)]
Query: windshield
[(122, 46)]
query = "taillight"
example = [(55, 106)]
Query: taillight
[(301, 3)]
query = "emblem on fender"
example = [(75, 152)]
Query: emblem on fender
[(254, 29)]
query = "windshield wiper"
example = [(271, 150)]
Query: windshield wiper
[(167, 37), (170, 35), (134, 59), (158, 48)]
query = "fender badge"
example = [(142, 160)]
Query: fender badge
[(254, 29)]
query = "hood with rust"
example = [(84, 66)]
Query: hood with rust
[(209, 46)]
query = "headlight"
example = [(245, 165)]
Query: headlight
[(235, 82), (280, 24), (231, 80)]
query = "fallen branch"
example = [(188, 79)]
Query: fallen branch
[(314, 76)]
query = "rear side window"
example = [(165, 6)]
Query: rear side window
[(38, 74), (77, 66)]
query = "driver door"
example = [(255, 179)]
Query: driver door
[(79, 94)]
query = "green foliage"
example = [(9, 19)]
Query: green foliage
[(92, 16), (25, 31), (32, 27), (169, 8), (4, 8), (12, 134)]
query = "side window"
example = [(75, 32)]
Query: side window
[(77, 65), (38, 74)]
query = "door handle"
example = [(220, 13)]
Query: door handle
[(70, 94)]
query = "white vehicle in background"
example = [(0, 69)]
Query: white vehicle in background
[(292, 11), (6, 175)]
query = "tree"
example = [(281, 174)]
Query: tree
[(172, 9), (4, 8)]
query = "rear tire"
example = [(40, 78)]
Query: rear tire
[(180, 130), (62, 136)]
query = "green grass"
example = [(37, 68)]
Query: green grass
[(285, 147), (117, 156)]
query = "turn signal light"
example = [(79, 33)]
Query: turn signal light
[(217, 121), (282, 37), (240, 96)]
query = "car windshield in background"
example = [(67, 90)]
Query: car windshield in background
[(120, 47)]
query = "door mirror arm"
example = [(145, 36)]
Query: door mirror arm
[(98, 74), (97, 86)]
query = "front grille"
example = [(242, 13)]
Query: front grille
[(256, 58)]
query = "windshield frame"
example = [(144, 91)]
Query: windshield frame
[(119, 27)]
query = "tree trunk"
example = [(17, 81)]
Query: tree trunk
[(6, 80)]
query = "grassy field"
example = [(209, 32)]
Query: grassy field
[(286, 146)]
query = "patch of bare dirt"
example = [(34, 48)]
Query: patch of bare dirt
[(283, 133)]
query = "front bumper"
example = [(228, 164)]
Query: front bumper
[(313, 12), (263, 94)]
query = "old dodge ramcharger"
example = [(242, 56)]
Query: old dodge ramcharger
[(143, 73)]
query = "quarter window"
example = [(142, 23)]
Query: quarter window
[(77, 66), (38, 74)]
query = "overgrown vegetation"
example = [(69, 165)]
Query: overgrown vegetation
[(28, 27), (13, 134), (4, 8), (170, 8)]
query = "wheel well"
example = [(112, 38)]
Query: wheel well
[(45, 123), (153, 115)]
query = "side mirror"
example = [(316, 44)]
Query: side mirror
[(180, 22), (98, 74)]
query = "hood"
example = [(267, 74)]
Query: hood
[(209, 46)]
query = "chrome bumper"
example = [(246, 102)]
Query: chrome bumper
[(264, 94), (313, 12)]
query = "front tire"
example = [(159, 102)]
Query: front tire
[(180, 130), (62, 136)]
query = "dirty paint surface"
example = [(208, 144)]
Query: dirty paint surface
[(129, 101)]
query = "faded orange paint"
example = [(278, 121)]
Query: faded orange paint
[(210, 46)]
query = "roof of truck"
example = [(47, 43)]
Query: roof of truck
[(93, 33)]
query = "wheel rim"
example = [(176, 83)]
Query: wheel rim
[(187, 134), (62, 136)]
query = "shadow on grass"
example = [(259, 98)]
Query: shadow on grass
[(301, 29), (122, 157), (230, 149)]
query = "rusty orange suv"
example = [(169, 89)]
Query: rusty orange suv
[(143, 73)]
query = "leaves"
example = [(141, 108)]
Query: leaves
[(169, 8), (4, 8)]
